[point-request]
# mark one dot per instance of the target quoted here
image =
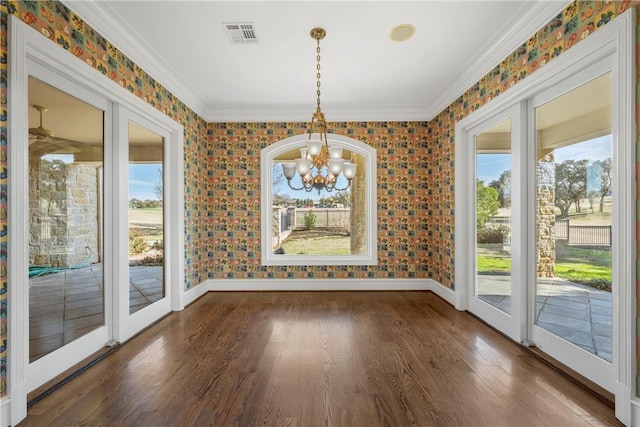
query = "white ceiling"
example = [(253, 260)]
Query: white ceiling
[(365, 75)]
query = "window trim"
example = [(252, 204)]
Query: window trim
[(370, 257)]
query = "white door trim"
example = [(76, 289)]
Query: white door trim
[(26, 43)]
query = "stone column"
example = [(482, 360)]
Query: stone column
[(63, 214), (545, 214), (276, 224), (358, 207)]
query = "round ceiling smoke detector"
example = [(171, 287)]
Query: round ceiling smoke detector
[(402, 32)]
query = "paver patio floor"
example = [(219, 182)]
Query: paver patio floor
[(579, 314)]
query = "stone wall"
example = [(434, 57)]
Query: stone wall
[(545, 215), (63, 214)]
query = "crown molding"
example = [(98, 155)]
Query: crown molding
[(302, 113), (102, 17), (496, 50)]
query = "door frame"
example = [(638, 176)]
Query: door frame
[(512, 324), (560, 349), (616, 39), (39, 371), (26, 44), (130, 324)]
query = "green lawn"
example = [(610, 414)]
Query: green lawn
[(317, 242), (587, 266), (148, 222)]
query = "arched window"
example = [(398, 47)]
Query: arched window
[(311, 227)]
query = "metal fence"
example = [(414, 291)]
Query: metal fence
[(583, 235), (574, 235)]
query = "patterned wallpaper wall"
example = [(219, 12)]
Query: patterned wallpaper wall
[(407, 217), (415, 234)]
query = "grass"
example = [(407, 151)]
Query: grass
[(148, 222), (317, 242), (590, 267)]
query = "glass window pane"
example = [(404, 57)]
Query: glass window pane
[(493, 216), (316, 221), (146, 217), (66, 291), (573, 216)]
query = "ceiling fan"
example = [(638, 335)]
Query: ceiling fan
[(40, 132), (42, 141)]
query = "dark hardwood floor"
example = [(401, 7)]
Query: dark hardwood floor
[(316, 359)]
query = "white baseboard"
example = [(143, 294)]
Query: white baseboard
[(194, 293), (447, 294), (5, 412), (317, 284), (635, 413), (241, 285)]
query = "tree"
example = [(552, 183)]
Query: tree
[(277, 176), (503, 186), (282, 200), (158, 187), (343, 197), (487, 203), (304, 202), (571, 184), (605, 180)]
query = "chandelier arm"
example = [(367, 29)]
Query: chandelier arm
[(345, 188), (294, 188)]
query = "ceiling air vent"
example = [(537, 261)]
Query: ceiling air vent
[(241, 32)]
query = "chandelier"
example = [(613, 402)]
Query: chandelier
[(319, 165)]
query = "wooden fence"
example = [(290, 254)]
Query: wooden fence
[(325, 217)]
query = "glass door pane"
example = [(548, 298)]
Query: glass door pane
[(493, 216), (66, 289), (573, 217), (146, 217)]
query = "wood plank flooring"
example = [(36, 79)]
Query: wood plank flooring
[(320, 359)]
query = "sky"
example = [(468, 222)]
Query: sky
[(142, 178), (490, 166)]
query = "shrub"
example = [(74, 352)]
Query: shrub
[(309, 220), (154, 260), (158, 245), (137, 244), (492, 234)]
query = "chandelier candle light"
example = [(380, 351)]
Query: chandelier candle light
[(319, 165)]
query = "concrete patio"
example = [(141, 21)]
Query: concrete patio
[(579, 314)]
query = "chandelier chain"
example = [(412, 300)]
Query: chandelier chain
[(318, 74), (319, 166)]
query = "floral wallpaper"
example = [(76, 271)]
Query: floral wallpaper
[(415, 159)]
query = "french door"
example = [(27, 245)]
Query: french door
[(573, 202), (69, 289), (543, 245), (95, 224), (496, 294), (141, 261)]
